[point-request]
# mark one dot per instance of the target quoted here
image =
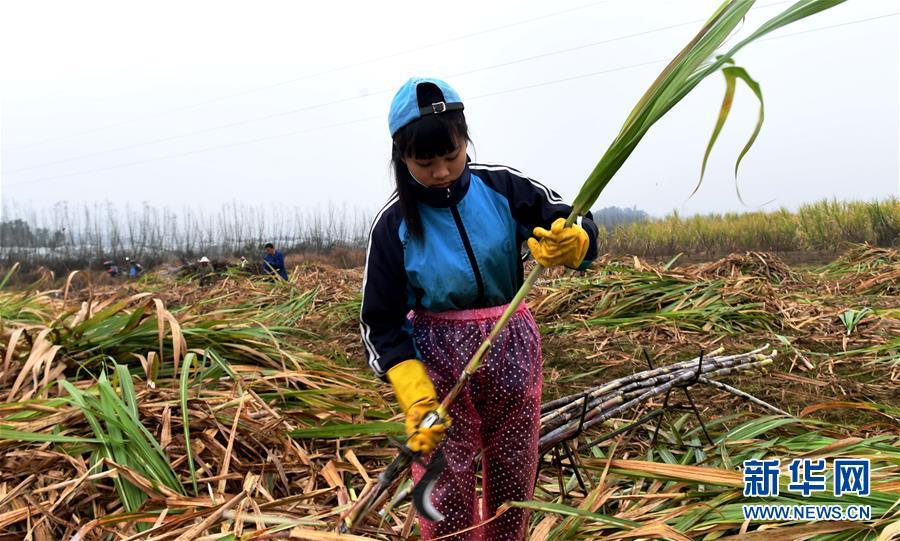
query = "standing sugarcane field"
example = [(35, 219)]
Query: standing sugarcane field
[(617, 270)]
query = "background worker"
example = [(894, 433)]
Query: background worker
[(204, 272), (134, 267), (447, 245), (110, 267), (273, 262)]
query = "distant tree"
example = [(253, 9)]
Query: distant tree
[(18, 233), (610, 217), (14, 233)]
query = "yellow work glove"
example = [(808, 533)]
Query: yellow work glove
[(560, 245), (417, 397)]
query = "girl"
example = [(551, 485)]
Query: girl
[(442, 262)]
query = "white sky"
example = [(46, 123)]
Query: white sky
[(162, 78)]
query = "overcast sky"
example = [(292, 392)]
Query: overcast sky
[(201, 103)]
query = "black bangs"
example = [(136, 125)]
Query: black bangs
[(431, 135), (424, 138)]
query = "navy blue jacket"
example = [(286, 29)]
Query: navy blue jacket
[(275, 263), (468, 256)]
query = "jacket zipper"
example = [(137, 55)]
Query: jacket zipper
[(479, 282)]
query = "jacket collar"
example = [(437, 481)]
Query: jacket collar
[(442, 197)]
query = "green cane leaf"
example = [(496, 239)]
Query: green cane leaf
[(724, 110), (741, 73)]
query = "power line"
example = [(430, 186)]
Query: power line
[(848, 23), (319, 128), (200, 151), (373, 117), (548, 54), (316, 74), (333, 102)]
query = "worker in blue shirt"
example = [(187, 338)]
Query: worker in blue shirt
[(134, 267), (273, 262)]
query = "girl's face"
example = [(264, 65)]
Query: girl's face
[(439, 171)]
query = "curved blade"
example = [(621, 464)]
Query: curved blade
[(422, 491)]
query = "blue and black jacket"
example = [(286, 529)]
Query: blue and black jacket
[(468, 255)]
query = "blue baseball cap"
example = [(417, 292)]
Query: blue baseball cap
[(406, 105)]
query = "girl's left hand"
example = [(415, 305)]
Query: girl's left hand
[(560, 245)]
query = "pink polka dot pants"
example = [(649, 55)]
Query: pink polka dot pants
[(498, 413)]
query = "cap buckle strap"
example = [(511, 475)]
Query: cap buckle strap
[(439, 107)]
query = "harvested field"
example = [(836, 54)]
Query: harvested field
[(155, 409)]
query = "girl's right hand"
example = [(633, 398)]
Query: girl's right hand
[(424, 440), (417, 397)]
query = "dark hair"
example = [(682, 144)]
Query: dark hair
[(269, 245), (424, 138)]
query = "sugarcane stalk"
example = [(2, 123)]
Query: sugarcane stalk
[(613, 384), (478, 358), (744, 395), (375, 493), (402, 493), (600, 405)]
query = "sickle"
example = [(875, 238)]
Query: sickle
[(422, 492)]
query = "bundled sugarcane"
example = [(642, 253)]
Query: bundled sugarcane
[(710, 361), (563, 418)]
